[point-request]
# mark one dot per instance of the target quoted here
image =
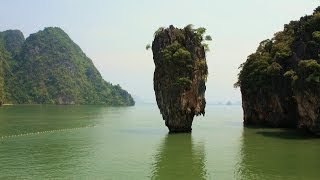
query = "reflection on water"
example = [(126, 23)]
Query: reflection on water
[(278, 154), (179, 157), (131, 143), (21, 120)]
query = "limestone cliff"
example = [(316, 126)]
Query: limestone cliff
[(180, 75), (280, 82)]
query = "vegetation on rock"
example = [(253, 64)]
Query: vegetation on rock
[(180, 74), (49, 68), (285, 72)]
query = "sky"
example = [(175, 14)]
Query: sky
[(114, 33)]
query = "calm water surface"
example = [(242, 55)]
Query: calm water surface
[(95, 142)]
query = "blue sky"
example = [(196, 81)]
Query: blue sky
[(114, 33)]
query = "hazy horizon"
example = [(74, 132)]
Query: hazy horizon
[(114, 34)]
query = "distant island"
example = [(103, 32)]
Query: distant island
[(229, 103), (180, 75), (49, 68), (280, 82)]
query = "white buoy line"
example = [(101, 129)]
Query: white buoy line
[(43, 132)]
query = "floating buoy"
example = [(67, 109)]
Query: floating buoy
[(47, 131)]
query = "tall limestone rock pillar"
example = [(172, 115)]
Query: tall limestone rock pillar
[(180, 75)]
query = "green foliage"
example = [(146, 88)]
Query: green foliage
[(189, 27), (315, 78), (309, 65), (201, 63), (179, 34), (253, 74), (206, 47), (4, 67), (316, 36), (312, 50), (282, 56), (291, 75), (13, 40), (259, 71), (208, 38), (189, 67), (265, 46), (148, 46), (310, 70), (182, 54), (317, 10), (274, 69), (281, 44), (159, 31), (51, 69), (200, 31), (175, 52), (281, 50), (1, 79), (184, 82)]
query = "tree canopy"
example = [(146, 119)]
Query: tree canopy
[(293, 53)]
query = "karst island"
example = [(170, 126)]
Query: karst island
[(280, 82), (49, 68), (180, 75)]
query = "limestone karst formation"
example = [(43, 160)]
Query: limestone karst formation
[(280, 82), (49, 68), (180, 75)]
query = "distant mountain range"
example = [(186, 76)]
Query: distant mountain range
[(228, 103)]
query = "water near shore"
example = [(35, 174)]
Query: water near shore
[(133, 143)]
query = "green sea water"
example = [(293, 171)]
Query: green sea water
[(97, 142)]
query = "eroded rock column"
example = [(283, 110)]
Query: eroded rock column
[(180, 75)]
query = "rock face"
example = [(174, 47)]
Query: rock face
[(49, 68), (280, 82), (180, 75)]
